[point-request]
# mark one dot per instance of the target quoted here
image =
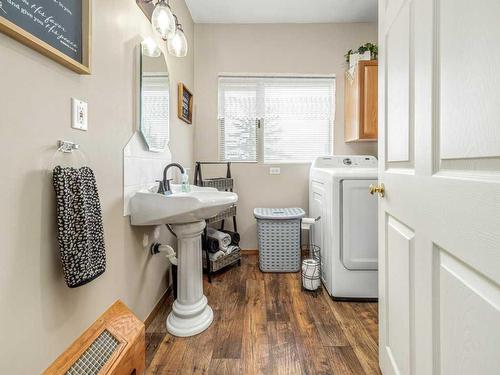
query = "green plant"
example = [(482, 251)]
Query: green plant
[(373, 48), (347, 55)]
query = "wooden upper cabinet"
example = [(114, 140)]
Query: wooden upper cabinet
[(361, 103)]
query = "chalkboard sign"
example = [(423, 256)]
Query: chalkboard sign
[(185, 104), (60, 29)]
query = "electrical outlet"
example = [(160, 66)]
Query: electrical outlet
[(274, 170), (79, 114)]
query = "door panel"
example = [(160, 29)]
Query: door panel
[(468, 319), (469, 107), (439, 225), (468, 83), (399, 299), (398, 87), (358, 226)]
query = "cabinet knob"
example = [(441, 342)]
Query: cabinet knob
[(380, 189)]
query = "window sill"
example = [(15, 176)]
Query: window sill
[(286, 162), (268, 163), (239, 162)]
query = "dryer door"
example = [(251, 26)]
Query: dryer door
[(359, 228)]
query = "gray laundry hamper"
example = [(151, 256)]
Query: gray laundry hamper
[(278, 231)]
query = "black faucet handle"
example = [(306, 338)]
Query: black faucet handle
[(161, 188)]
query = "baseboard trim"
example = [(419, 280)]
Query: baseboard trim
[(249, 252), (163, 299), (256, 252)]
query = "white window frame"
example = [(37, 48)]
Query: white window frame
[(261, 124)]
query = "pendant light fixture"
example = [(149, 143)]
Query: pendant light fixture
[(169, 28), (177, 45), (163, 20)]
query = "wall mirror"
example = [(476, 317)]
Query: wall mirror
[(154, 97)]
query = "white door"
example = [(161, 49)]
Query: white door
[(439, 152)]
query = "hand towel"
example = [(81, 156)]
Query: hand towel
[(235, 237), (212, 245), (231, 249), (214, 256), (224, 239), (79, 221)]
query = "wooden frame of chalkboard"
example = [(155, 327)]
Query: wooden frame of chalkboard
[(10, 28), (185, 104)]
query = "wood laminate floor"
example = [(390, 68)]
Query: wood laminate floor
[(265, 324)]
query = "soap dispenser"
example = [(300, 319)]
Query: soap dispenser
[(185, 187)]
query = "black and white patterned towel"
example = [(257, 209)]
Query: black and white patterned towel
[(79, 221)]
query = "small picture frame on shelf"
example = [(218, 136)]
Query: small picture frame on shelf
[(185, 104)]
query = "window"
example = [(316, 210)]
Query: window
[(275, 119)]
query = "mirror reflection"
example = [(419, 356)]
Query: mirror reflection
[(154, 97)]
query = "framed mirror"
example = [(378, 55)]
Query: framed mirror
[(154, 97)]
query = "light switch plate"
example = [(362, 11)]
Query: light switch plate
[(79, 114), (274, 170)]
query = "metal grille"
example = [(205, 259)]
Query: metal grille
[(96, 355)]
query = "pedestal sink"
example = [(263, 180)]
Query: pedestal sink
[(186, 214)]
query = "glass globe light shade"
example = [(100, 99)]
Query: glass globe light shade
[(177, 45), (163, 20)]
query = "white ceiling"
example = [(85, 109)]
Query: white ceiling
[(282, 11)]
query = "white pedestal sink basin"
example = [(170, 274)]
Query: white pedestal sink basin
[(186, 214)]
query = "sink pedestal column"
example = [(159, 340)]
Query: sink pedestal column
[(190, 312)]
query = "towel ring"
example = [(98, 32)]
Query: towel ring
[(65, 148)]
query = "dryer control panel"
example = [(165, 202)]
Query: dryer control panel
[(346, 161)]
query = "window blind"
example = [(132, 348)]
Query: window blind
[(276, 119), (238, 120)]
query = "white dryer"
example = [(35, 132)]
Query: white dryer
[(347, 231)]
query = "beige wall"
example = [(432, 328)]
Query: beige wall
[(39, 314), (287, 48)]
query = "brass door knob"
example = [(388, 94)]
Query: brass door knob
[(380, 189)]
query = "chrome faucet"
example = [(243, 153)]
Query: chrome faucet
[(164, 187)]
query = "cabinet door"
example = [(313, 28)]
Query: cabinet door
[(351, 107), (369, 88), (361, 102)]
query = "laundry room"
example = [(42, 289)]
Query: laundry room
[(249, 187), (238, 178), (309, 141)]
